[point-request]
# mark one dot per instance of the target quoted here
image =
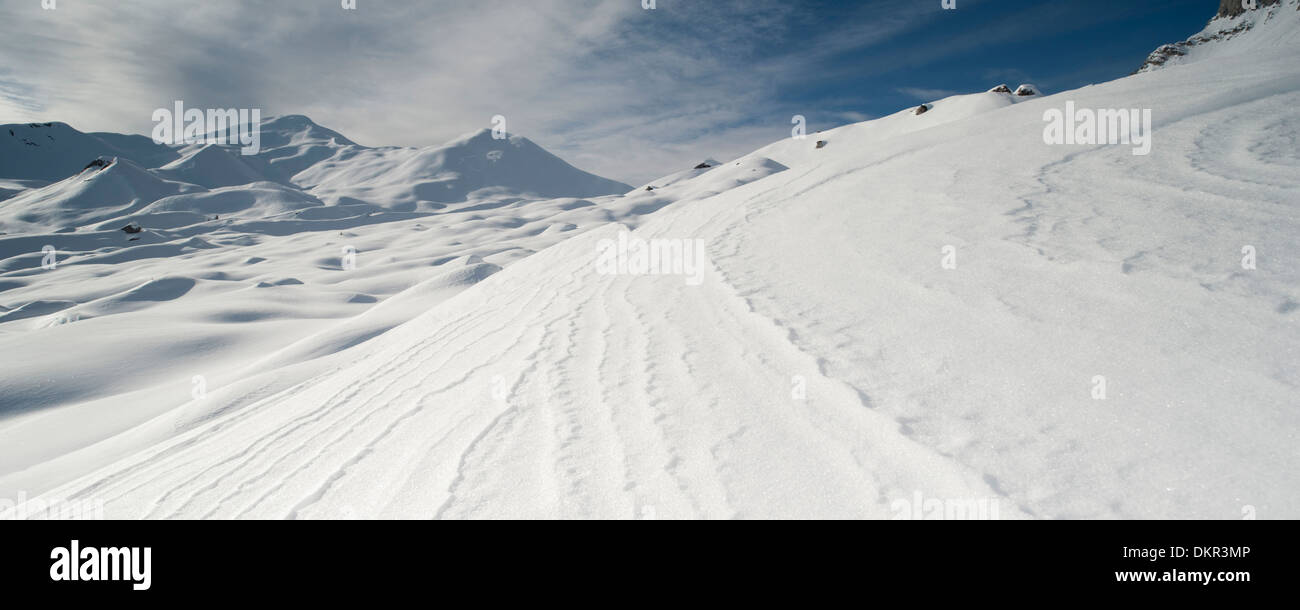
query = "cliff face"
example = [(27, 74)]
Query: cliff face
[(1232, 8)]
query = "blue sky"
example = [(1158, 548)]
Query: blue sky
[(624, 92)]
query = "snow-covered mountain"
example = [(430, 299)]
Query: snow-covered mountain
[(297, 152), (53, 151), (936, 305), (211, 166), (475, 166), (1271, 25), (107, 188), (83, 183), (235, 267)]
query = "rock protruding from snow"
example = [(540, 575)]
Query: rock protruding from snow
[(1232, 8), (1003, 88), (1162, 55), (1027, 90), (1235, 29), (97, 164), (708, 165)]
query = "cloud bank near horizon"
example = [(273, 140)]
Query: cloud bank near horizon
[(614, 88), (625, 92)]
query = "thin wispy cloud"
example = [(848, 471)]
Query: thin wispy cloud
[(623, 91), (922, 93), (618, 90)]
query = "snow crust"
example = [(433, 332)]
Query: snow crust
[(469, 362)]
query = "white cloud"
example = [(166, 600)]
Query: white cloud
[(926, 95), (617, 90)]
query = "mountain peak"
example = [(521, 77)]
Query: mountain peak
[(297, 129), (55, 150), (1234, 30), (482, 160), (483, 137), (1232, 8), (290, 119), (211, 166)]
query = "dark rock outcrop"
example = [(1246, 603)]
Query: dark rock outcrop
[(1228, 9), (1232, 8), (97, 164), (1163, 54)]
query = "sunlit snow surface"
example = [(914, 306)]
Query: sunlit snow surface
[(474, 364)]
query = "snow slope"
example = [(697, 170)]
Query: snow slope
[(54, 151), (474, 166), (1235, 31), (94, 195), (829, 365), (211, 166), (239, 277)]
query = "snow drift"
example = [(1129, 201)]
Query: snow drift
[(937, 306)]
